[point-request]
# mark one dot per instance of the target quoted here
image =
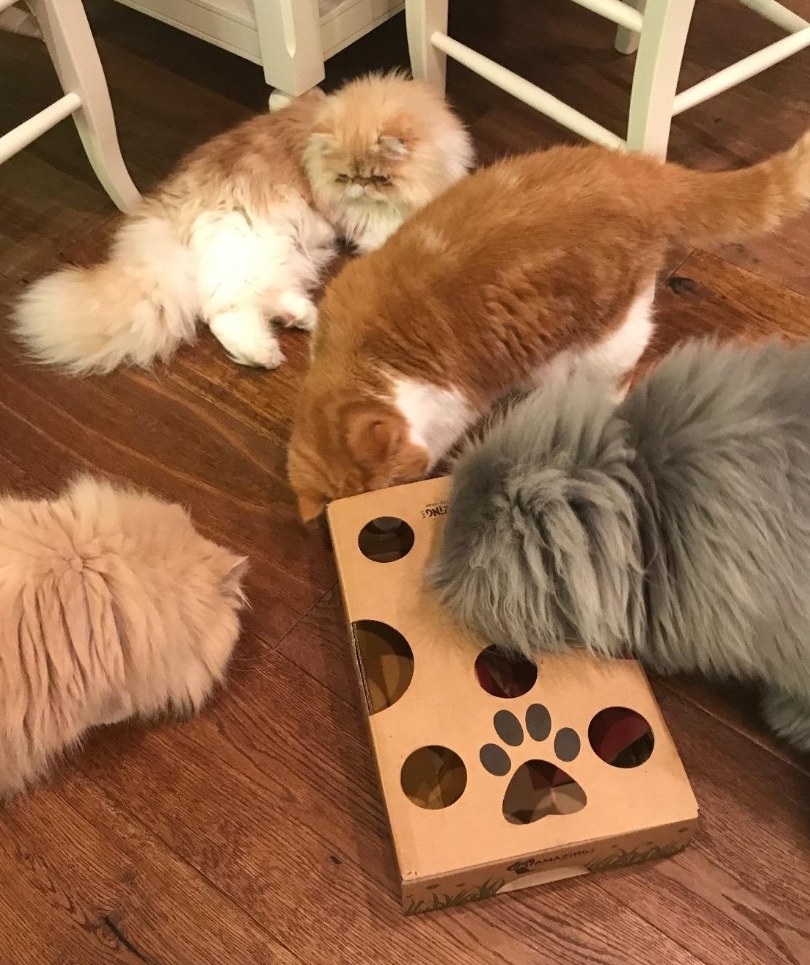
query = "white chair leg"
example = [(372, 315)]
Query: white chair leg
[(70, 43), (423, 18), (290, 44), (655, 79), (627, 40)]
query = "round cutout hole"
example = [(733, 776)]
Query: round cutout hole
[(386, 660), (504, 675), (385, 539), (621, 737), (433, 777)]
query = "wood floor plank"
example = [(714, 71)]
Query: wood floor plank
[(43, 211), (708, 297), (745, 877), (737, 705), (782, 256), (42, 922), (104, 875)]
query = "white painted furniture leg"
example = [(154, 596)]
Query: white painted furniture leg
[(422, 19), (70, 43), (655, 79), (290, 44), (627, 40)]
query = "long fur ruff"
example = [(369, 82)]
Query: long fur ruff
[(111, 606), (674, 526)]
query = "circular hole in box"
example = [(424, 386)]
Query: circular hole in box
[(386, 659), (433, 777), (385, 539), (621, 737), (504, 675)]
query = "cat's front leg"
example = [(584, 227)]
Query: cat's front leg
[(294, 309), (239, 261), (246, 336), (375, 230)]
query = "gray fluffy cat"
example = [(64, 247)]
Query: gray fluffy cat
[(674, 525)]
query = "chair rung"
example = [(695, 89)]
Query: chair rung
[(615, 10), (31, 129), (776, 13), (527, 92), (736, 73)]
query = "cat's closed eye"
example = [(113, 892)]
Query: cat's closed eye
[(381, 179), (342, 178)]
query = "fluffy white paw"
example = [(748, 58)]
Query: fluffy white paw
[(279, 99), (369, 242), (374, 236), (297, 311), (268, 356), (252, 344)]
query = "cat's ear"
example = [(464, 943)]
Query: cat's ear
[(234, 572), (374, 433), (378, 438), (238, 567), (309, 507), (392, 146)]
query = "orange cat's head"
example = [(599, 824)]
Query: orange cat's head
[(342, 447)]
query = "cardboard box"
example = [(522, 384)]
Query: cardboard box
[(496, 775)]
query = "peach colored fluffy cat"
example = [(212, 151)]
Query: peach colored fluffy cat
[(546, 255), (111, 606), (242, 230)]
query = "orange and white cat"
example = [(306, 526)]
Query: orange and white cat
[(545, 256), (240, 232)]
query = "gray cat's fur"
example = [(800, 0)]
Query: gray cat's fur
[(674, 525)]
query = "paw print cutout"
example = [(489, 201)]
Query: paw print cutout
[(538, 788)]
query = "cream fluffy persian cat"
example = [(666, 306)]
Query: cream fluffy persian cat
[(111, 606), (239, 234)]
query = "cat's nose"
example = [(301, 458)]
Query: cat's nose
[(355, 191)]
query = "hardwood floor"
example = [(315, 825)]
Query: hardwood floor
[(255, 833)]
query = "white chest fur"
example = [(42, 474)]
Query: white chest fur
[(437, 416)]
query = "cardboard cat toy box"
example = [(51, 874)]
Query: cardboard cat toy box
[(496, 774)]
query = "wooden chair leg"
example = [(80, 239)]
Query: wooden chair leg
[(655, 80), (423, 18), (70, 43)]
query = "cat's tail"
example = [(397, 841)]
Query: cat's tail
[(133, 309), (708, 209)]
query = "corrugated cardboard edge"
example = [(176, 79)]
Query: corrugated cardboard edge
[(363, 686), (543, 867)]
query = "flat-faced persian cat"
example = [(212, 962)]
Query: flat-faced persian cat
[(240, 232), (111, 606)]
